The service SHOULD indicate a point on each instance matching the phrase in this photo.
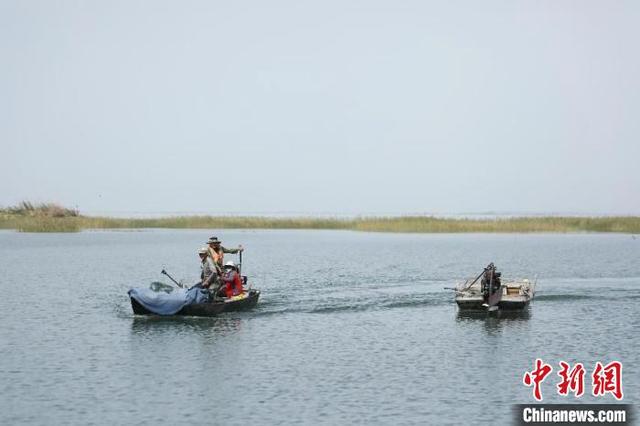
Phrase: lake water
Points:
(351, 328)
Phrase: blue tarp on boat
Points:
(168, 303)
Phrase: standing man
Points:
(216, 252)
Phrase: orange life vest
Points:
(217, 257)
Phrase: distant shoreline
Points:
(404, 224)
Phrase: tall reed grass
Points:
(627, 224)
(27, 208)
(379, 224)
(44, 217)
(53, 218)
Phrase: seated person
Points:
(231, 281)
(208, 274)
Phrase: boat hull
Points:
(209, 309)
(478, 304)
(513, 296)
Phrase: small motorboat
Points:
(164, 299)
(244, 301)
(492, 293)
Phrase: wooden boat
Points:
(244, 301)
(493, 293)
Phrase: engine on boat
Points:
(490, 281)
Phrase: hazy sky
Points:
(321, 106)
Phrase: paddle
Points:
(171, 278)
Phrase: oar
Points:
(240, 265)
(171, 278)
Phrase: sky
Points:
(321, 107)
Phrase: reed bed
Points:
(225, 222)
(49, 217)
(626, 224)
(29, 209)
(414, 224)
(43, 217)
(47, 224)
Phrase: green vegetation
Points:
(27, 217)
(428, 224)
(44, 217)
(27, 208)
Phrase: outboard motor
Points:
(491, 285)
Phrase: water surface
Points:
(351, 328)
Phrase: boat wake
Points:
(594, 296)
(271, 305)
(561, 297)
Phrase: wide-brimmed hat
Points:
(203, 250)
(230, 264)
(213, 240)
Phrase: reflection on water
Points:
(494, 323)
(491, 317)
(169, 325)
